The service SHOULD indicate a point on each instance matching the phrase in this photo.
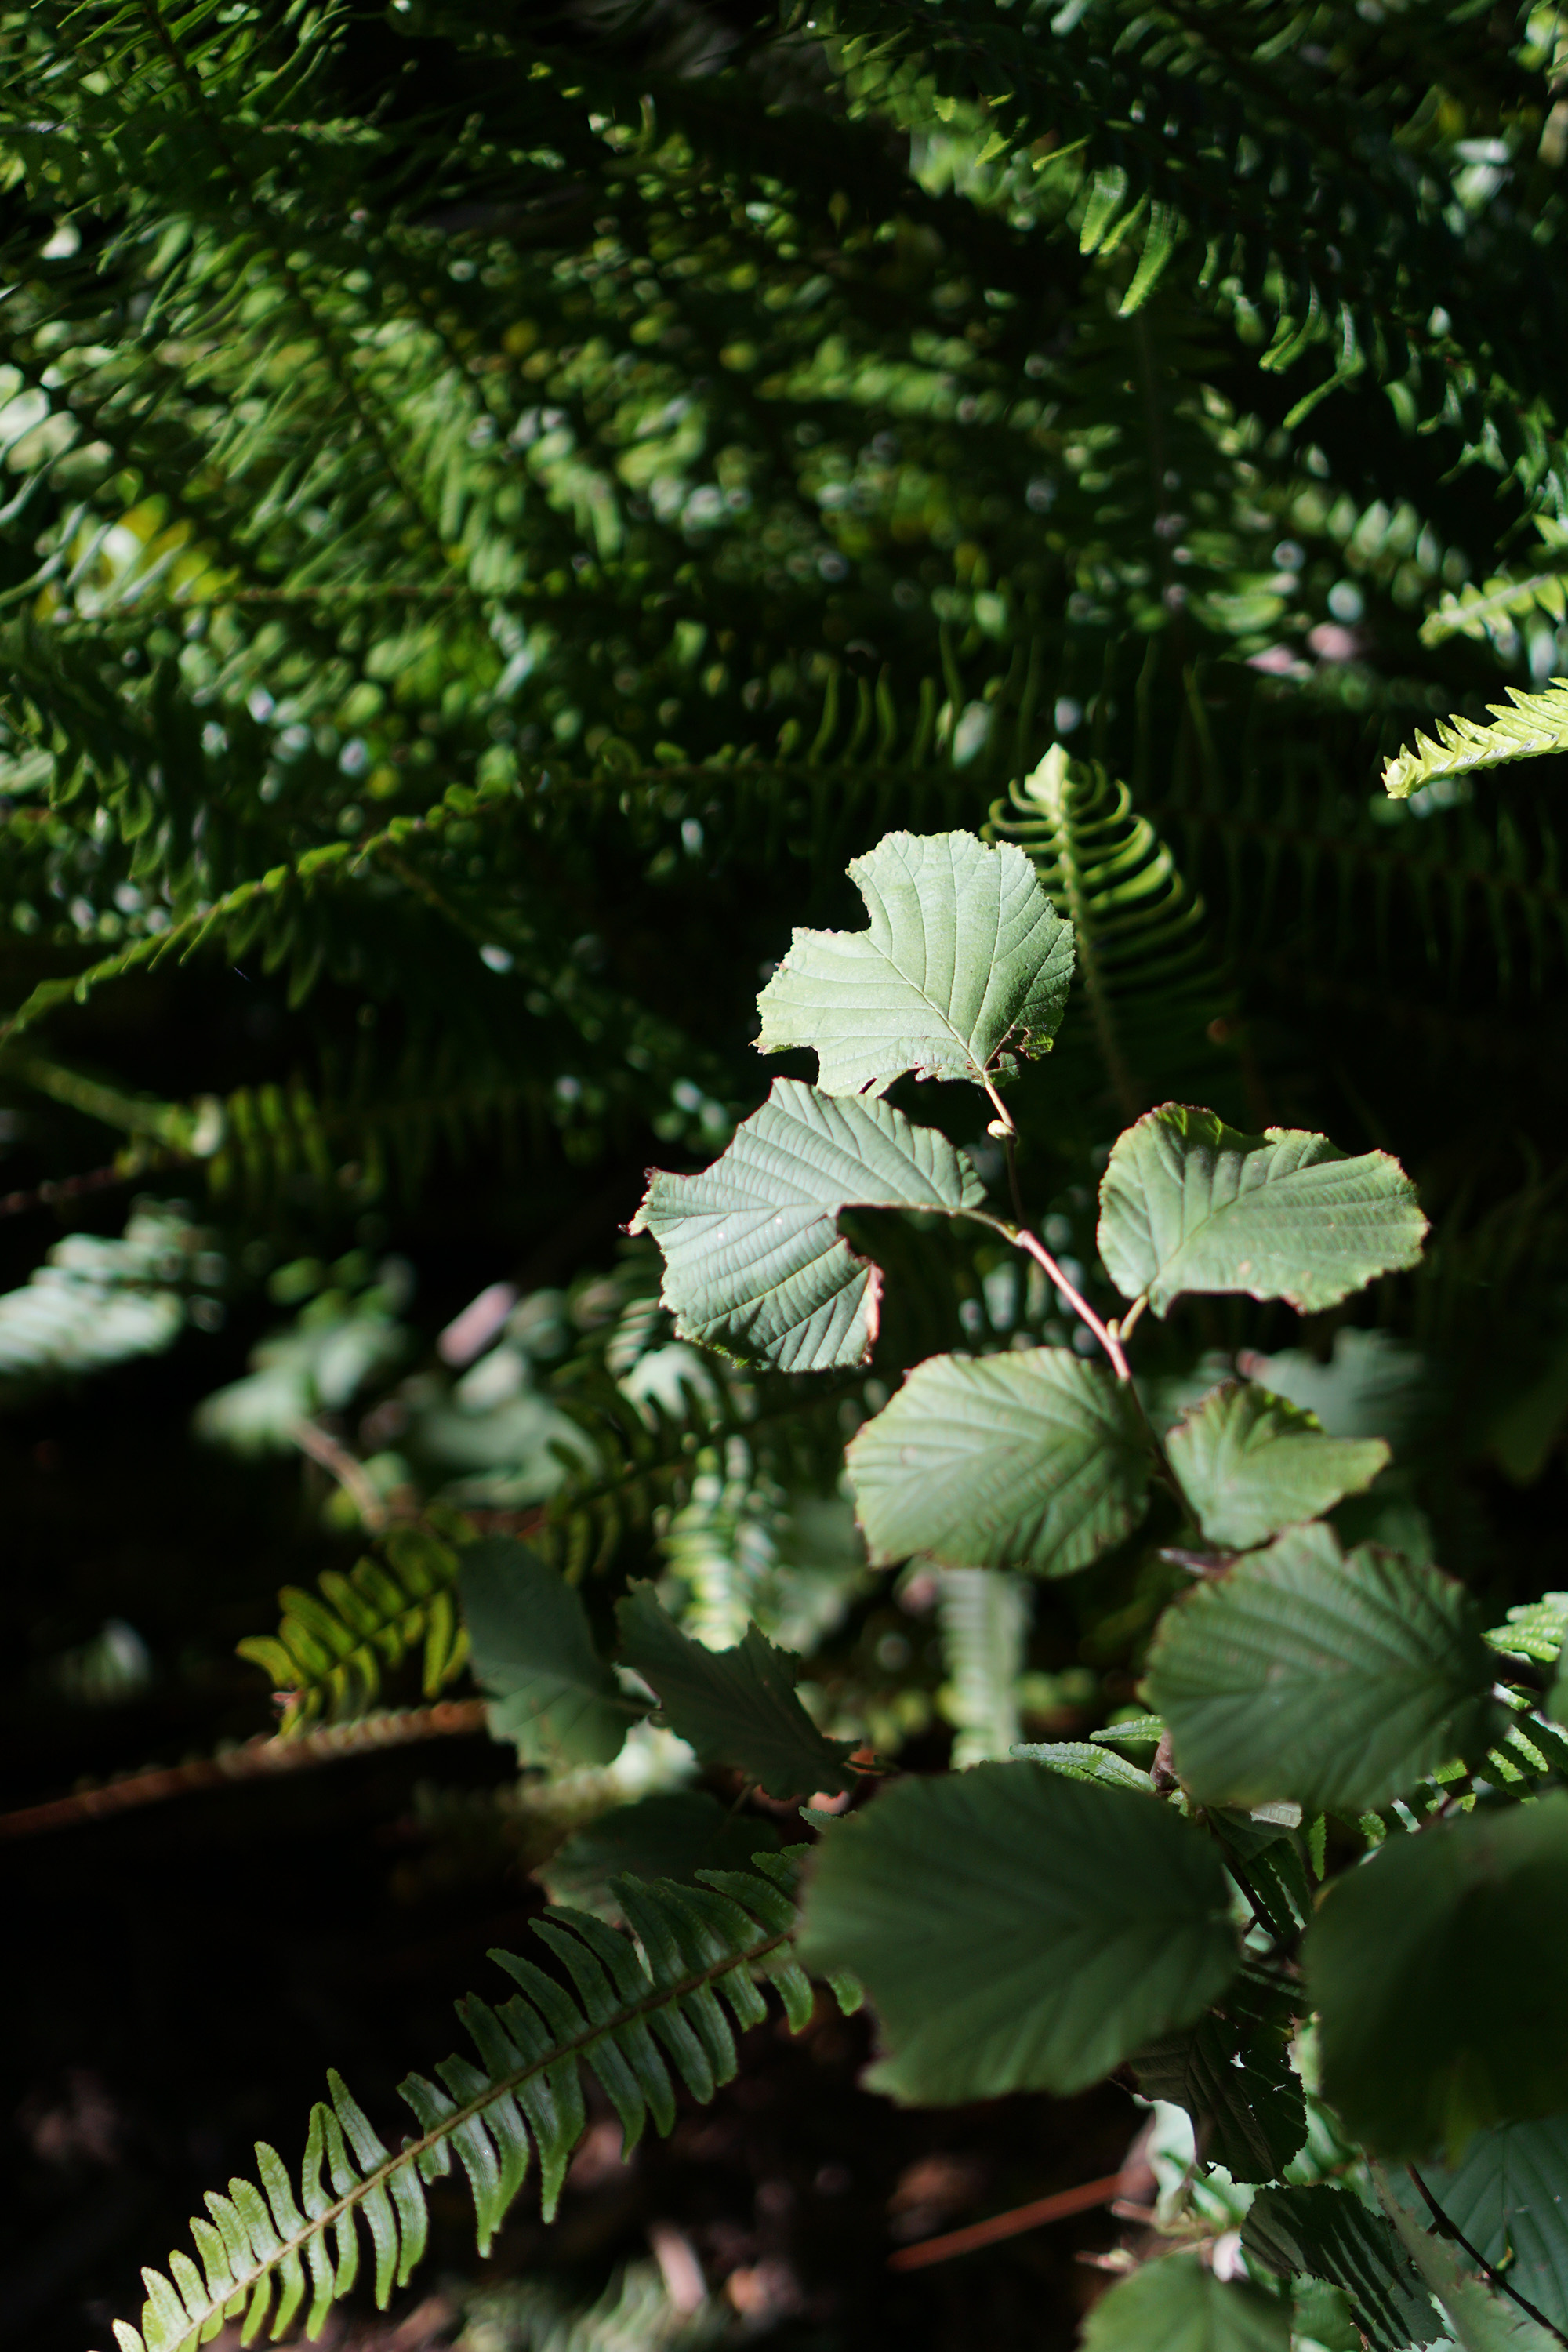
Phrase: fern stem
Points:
(258, 1759)
(341, 1464)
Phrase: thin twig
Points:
(1067, 2202)
(449, 1720)
(48, 1196)
(341, 1464)
(1446, 2228)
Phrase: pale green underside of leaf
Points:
(1018, 1930)
(1436, 1969)
(1249, 1464)
(966, 963)
(733, 1706)
(1509, 2200)
(753, 1261)
(1033, 1459)
(1175, 2304)
(1479, 2318)
(533, 1653)
(1328, 1680)
(1190, 1204)
(1526, 727)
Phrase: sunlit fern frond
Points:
(99, 1300)
(1150, 985)
(333, 1645)
(693, 1953)
(1534, 726)
(1489, 608)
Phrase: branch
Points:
(341, 1464)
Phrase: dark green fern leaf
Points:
(1149, 982)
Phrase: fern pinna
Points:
(688, 1982)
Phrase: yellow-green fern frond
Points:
(1535, 724)
(259, 2251)
(329, 1653)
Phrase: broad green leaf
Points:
(753, 1260)
(1188, 1204)
(966, 963)
(673, 1835)
(533, 1653)
(1250, 1464)
(1479, 2318)
(1033, 1459)
(1175, 2304)
(1526, 727)
(1233, 2075)
(1436, 1969)
(1333, 1681)
(1507, 2198)
(733, 1706)
(1328, 2233)
(1016, 1930)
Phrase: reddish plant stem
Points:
(1067, 2202)
(1077, 1301)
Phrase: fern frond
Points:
(1491, 608)
(984, 1614)
(1141, 947)
(1536, 725)
(333, 1645)
(650, 1453)
(101, 1301)
(694, 1952)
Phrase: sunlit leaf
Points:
(965, 965)
(1176, 2305)
(1188, 1204)
(534, 1652)
(753, 1260)
(1249, 1464)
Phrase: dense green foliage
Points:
(1025, 548)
